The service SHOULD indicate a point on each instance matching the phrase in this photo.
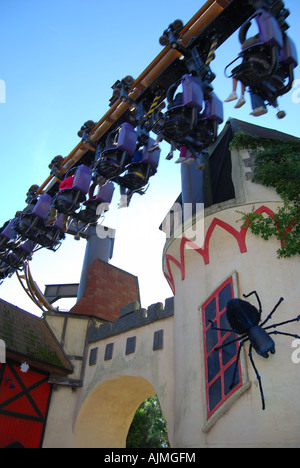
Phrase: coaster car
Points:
(288, 61)
(32, 219)
(118, 152)
(102, 198)
(15, 258)
(52, 236)
(192, 118)
(8, 236)
(183, 108)
(143, 166)
(206, 129)
(31, 225)
(68, 200)
(259, 53)
(268, 59)
(282, 80)
(5, 271)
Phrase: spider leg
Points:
(220, 329)
(258, 377)
(258, 300)
(282, 333)
(272, 312)
(240, 338)
(297, 319)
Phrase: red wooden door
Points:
(24, 402)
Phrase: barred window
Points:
(219, 365)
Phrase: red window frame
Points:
(219, 364)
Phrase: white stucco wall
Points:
(256, 266)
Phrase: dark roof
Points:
(220, 156)
(257, 131)
(29, 336)
(220, 169)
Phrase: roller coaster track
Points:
(211, 26)
(206, 25)
(32, 290)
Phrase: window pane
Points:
(213, 365)
(228, 351)
(210, 311)
(224, 296)
(211, 339)
(228, 376)
(215, 394)
(224, 323)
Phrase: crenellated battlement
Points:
(132, 316)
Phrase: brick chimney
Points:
(109, 289)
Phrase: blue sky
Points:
(58, 61)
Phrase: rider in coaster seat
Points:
(72, 192)
(192, 118)
(97, 204)
(119, 149)
(259, 53)
(279, 84)
(260, 60)
(7, 235)
(15, 258)
(5, 271)
(31, 224)
(67, 183)
(183, 108)
(33, 217)
(52, 236)
(144, 165)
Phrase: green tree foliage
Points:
(277, 164)
(148, 428)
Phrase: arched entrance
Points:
(106, 415)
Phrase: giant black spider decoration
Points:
(244, 319)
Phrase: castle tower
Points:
(215, 259)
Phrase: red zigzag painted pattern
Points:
(240, 237)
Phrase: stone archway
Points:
(107, 413)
